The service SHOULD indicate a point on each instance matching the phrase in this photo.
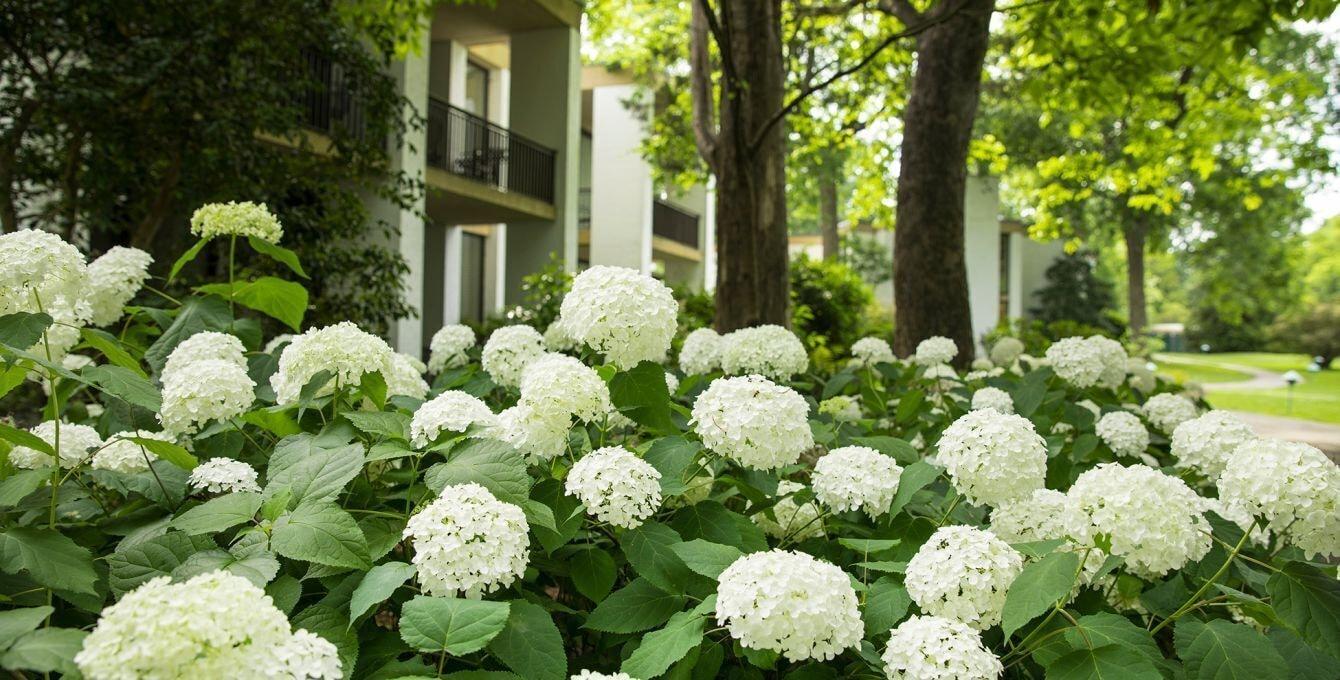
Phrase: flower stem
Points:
(1193, 601)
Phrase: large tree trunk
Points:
(749, 163)
(930, 275)
(1135, 232)
(828, 216)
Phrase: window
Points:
(476, 90)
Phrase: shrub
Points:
(832, 307)
(1314, 331)
(1074, 293)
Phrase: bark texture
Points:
(828, 217)
(930, 275)
(1136, 233)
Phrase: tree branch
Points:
(700, 83)
(829, 10)
(902, 9)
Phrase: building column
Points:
(411, 75)
(1016, 276)
(709, 242)
(621, 183)
(545, 103)
(981, 251)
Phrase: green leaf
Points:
(16, 622)
(662, 648)
(1309, 600)
(1028, 394)
(1038, 588)
(915, 477)
(869, 546)
(317, 477)
(381, 423)
(22, 330)
(530, 644)
(378, 585)
(1221, 650)
(21, 484)
(197, 314)
(493, 464)
(453, 625)
(285, 591)
(1305, 662)
(19, 437)
(49, 557)
(1105, 628)
(671, 457)
(125, 384)
(648, 549)
(330, 623)
(323, 533)
(373, 386)
(278, 253)
(893, 447)
(1112, 662)
(168, 451)
(186, 258)
(274, 297)
(158, 556)
(705, 557)
(48, 650)
(635, 607)
(641, 394)
(259, 567)
(111, 348)
(217, 514)
(885, 605)
(593, 573)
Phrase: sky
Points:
(1325, 201)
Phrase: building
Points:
(1005, 266)
(626, 219)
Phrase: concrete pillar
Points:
(710, 235)
(545, 106)
(981, 250)
(621, 182)
(411, 75)
(1016, 276)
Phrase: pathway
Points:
(1260, 379)
(1321, 435)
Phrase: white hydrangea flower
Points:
(39, 272)
(1240, 516)
(994, 398)
(625, 315)
(1293, 486)
(770, 351)
(935, 648)
(1114, 360)
(592, 675)
(963, 573)
(236, 218)
(224, 475)
(843, 408)
(944, 373)
(557, 386)
(754, 421)
(671, 382)
(856, 478)
(1006, 351)
(616, 486)
(204, 390)
(993, 457)
(1123, 432)
(1049, 515)
(972, 376)
(558, 339)
(1205, 443)
(120, 454)
(203, 346)
(75, 443)
(1154, 520)
(1166, 411)
(870, 350)
(113, 280)
(1141, 377)
(451, 411)
(790, 603)
(467, 542)
(935, 350)
(215, 625)
(405, 377)
(343, 349)
(276, 341)
(701, 352)
(1078, 361)
(450, 347)
(508, 351)
(539, 437)
(789, 519)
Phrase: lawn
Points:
(1317, 397)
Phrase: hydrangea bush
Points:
(199, 500)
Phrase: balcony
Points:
(330, 107)
(674, 224)
(467, 146)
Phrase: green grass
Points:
(1317, 397)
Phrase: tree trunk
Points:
(828, 216)
(1135, 232)
(752, 283)
(930, 275)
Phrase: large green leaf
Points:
(593, 573)
(330, 622)
(19, 485)
(635, 607)
(641, 394)
(377, 585)
(885, 605)
(279, 254)
(1308, 600)
(493, 464)
(17, 622)
(662, 648)
(49, 558)
(1038, 588)
(48, 650)
(705, 557)
(22, 330)
(530, 643)
(274, 297)
(319, 476)
(1305, 662)
(168, 451)
(394, 425)
(1110, 662)
(125, 384)
(158, 556)
(914, 478)
(186, 258)
(207, 313)
(257, 566)
(671, 457)
(19, 437)
(111, 348)
(1221, 650)
(323, 533)
(217, 514)
(649, 549)
(453, 625)
(1105, 628)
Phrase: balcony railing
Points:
(466, 145)
(331, 106)
(668, 221)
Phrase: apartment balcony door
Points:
(472, 277)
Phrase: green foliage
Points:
(1075, 294)
(1315, 331)
(541, 295)
(867, 257)
(831, 306)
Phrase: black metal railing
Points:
(668, 221)
(584, 208)
(466, 145)
(331, 106)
